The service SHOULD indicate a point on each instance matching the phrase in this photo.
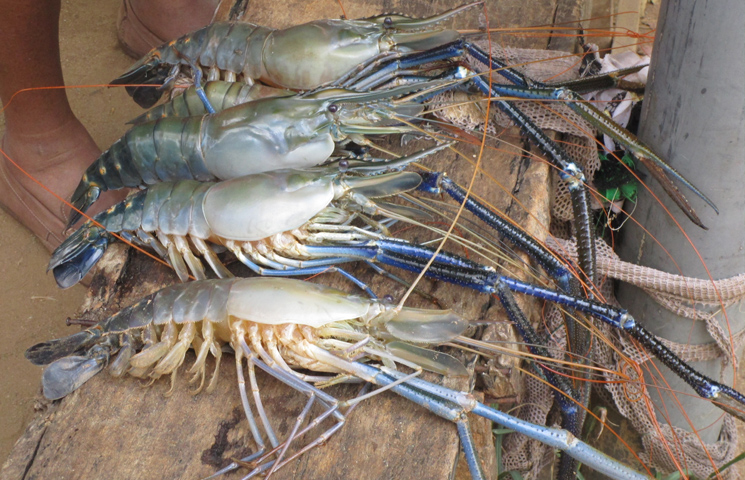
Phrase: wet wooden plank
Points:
(115, 428)
(118, 429)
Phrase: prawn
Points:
(278, 326)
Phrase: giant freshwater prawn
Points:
(622, 375)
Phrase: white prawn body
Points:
(283, 321)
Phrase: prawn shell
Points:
(305, 56)
(275, 301)
(258, 206)
(266, 135)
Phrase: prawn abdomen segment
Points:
(164, 150)
(176, 209)
(233, 47)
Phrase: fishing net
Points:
(686, 297)
(578, 137)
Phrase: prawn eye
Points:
(333, 108)
(388, 299)
(388, 21)
(343, 165)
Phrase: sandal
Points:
(142, 26)
(23, 206)
(135, 38)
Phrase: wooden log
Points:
(115, 428)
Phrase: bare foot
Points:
(55, 159)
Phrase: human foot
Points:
(56, 160)
(144, 25)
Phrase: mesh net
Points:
(681, 295)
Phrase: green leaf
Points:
(498, 449)
(628, 190)
(612, 194)
(628, 160)
(729, 464)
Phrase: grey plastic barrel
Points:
(694, 117)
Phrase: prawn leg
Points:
(568, 170)
(201, 94)
(471, 275)
(528, 88)
(453, 405)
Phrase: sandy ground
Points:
(33, 308)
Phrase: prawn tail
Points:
(143, 79)
(115, 169)
(45, 353)
(68, 374)
(84, 196)
(72, 260)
